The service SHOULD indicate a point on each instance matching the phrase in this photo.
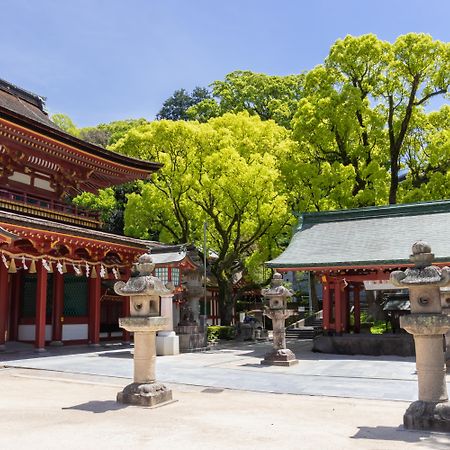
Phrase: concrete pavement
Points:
(226, 399)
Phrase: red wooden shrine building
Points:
(347, 249)
(57, 267)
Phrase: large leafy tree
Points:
(225, 172)
(268, 96)
(177, 105)
(359, 112)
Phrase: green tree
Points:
(177, 105)
(65, 123)
(356, 117)
(268, 96)
(225, 172)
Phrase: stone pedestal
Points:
(428, 325)
(192, 338)
(276, 310)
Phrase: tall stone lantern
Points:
(428, 325)
(277, 296)
(145, 292)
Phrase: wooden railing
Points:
(22, 202)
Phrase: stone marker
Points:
(145, 292)
(278, 312)
(428, 325)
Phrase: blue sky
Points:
(104, 60)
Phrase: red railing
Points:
(45, 207)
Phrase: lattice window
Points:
(75, 296)
(162, 273)
(28, 300)
(176, 276)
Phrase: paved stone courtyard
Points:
(225, 399)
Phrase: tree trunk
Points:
(225, 300)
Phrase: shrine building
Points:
(57, 267)
(350, 249)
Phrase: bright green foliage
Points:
(356, 117)
(225, 172)
(268, 96)
(428, 158)
(66, 124)
(105, 201)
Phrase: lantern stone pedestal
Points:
(428, 325)
(278, 312)
(145, 292)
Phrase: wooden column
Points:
(58, 307)
(41, 304)
(338, 307)
(94, 310)
(357, 309)
(4, 300)
(326, 306)
(126, 309)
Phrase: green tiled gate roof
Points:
(367, 236)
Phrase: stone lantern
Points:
(145, 292)
(277, 296)
(428, 325)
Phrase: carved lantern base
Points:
(145, 394)
(430, 416)
(280, 357)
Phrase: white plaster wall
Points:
(28, 332)
(74, 332)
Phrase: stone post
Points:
(278, 312)
(428, 325)
(145, 292)
(167, 342)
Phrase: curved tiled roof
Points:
(367, 236)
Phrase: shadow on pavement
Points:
(98, 406)
(436, 440)
(125, 354)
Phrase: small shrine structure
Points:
(56, 264)
(349, 249)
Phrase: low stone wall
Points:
(366, 344)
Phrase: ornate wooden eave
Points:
(86, 167)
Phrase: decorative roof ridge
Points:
(23, 94)
(372, 212)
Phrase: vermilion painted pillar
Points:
(338, 307)
(58, 307)
(4, 300)
(326, 306)
(126, 309)
(41, 304)
(94, 310)
(357, 310)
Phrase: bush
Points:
(216, 332)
